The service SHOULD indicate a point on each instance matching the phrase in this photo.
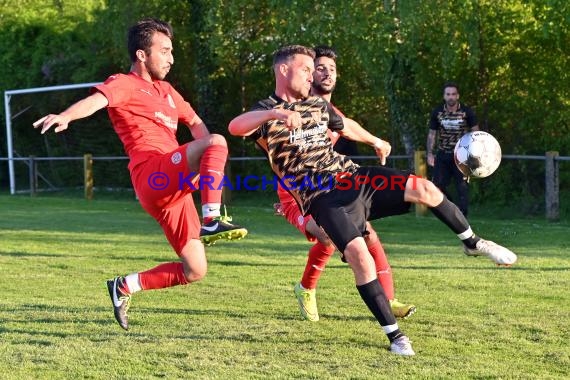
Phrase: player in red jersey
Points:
(324, 83)
(145, 111)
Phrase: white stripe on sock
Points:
(465, 235)
(390, 328)
(133, 282)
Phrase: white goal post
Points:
(7, 96)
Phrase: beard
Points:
(155, 73)
(451, 103)
(321, 89)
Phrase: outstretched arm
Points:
(248, 122)
(353, 131)
(83, 108)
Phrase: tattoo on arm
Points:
(430, 141)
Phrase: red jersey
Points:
(145, 115)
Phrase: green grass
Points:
(474, 320)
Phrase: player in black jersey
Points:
(449, 121)
(291, 128)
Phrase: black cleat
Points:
(221, 228)
(121, 301)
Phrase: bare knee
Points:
(195, 149)
(195, 274)
(194, 262)
(420, 190)
(313, 229)
(360, 261)
(215, 139)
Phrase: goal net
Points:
(58, 158)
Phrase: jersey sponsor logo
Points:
(166, 120)
(145, 91)
(176, 158)
(170, 101)
(452, 123)
(305, 135)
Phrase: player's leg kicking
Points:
(173, 207)
(319, 255)
(419, 190)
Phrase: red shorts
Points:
(161, 184)
(293, 214)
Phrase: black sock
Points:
(471, 242)
(374, 297)
(394, 335)
(450, 214)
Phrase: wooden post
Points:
(420, 168)
(33, 174)
(552, 186)
(88, 175)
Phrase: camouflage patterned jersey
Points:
(304, 157)
(451, 125)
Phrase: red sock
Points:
(382, 267)
(212, 172)
(319, 255)
(163, 276)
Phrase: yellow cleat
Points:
(307, 303)
(402, 310)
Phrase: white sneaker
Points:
(499, 254)
(402, 346)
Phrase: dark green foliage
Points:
(510, 59)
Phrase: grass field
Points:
(474, 320)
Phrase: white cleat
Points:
(497, 253)
(402, 346)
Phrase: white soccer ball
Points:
(477, 154)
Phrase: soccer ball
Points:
(477, 154)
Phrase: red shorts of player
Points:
(293, 215)
(161, 184)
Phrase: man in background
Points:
(448, 122)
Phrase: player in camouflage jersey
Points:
(324, 83)
(450, 121)
(291, 128)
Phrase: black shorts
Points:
(370, 193)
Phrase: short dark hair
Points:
(140, 35)
(285, 53)
(450, 84)
(325, 51)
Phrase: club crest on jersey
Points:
(170, 101)
(176, 158)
